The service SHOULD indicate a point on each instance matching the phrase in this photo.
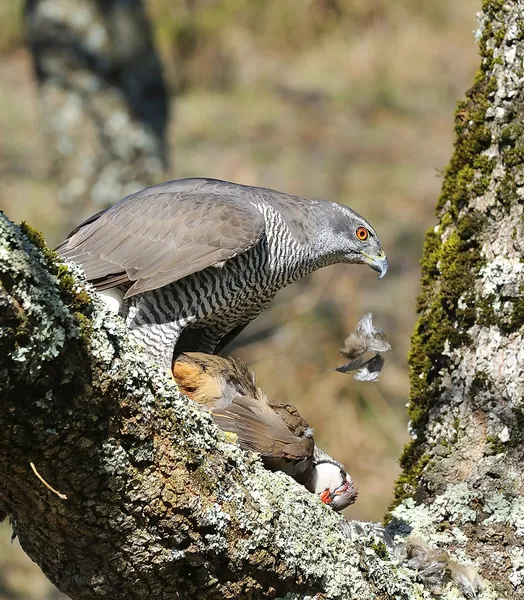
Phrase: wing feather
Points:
(261, 430)
(164, 233)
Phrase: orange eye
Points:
(362, 234)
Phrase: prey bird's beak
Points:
(378, 263)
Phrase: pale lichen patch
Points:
(29, 289)
(517, 567)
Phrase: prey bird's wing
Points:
(164, 233)
(262, 430)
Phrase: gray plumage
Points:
(195, 260)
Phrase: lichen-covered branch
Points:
(103, 99)
(119, 487)
(464, 471)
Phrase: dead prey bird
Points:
(277, 432)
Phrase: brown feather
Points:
(195, 384)
(227, 388)
(211, 380)
(261, 430)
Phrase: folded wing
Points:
(164, 233)
(262, 430)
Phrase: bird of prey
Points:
(277, 432)
(189, 263)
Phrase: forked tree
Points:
(119, 487)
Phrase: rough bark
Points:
(103, 99)
(119, 487)
(464, 471)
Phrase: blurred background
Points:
(347, 100)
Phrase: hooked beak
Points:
(378, 263)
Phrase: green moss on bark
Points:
(413, 464)
(517, 315)
(452, 256)
(76, 298)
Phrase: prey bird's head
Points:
(355, 240)
(333, 485)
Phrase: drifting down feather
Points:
(367, 338)
(434, 566)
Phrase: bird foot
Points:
(231, 437)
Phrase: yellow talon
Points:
(232, 438)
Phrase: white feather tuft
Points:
(366, 339)
(113, 299)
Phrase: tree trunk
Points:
(103, 99)
(467, 353)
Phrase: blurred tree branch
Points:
(104, 103)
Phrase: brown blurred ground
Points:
(349, 100)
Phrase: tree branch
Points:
(134, 492)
